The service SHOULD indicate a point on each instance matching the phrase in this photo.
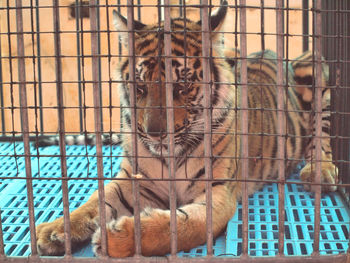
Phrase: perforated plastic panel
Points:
(263, 206)
(47, 193)
(299, 223)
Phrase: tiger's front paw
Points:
(120, 238)
(50, 238)
(329, 175)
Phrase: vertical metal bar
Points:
(99, 58)
(343, 59)
(2, 246)
(170, 126)
(139, 10)
(78, 9)
(135, 183)
(317, 27)
(207, 122)
(281, 123)
(97, 115)
(61, 127)
(10, 59)
(3, 125)
(9, 43)
(35, 90)
(119, 42)
(244, 125)
(24, 123)
(38, 57)
(305, 15)
(110, 90)
(262, 22)
(346, 78)
(84, 90)
(180, 8)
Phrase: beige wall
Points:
(69, 60)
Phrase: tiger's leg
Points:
(84, 220)
(303, 76)
(155, 226)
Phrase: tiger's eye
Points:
(181, 89)
(141, 90)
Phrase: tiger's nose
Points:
(156, 131)
(156, 126)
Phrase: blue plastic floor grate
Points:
(299, 223)
(263, 206)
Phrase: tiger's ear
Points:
(121, 25)
(217, 17)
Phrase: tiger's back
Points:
(263, 119)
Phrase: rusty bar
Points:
(135, 183)
(25, 124)
(110, 90)
(281, 123)
(305, 8)
(340, 258)
(98, 29)
(170, 126)
(38, 57)
(244, 125)
(77, 27)
(2, 246)
(35, 83)
(3, 125)
(98, 120)
(207, 122)
(262, 26)
(61, 126)
(317, 47)
(11, 81)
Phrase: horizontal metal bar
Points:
(177, 180)
(177, 5)
(342, 258)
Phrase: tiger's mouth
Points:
(159, 148)
(159, 145)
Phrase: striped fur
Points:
(152, 145)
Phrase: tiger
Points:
(152, 148)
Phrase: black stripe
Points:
(145, 43)
(183, 212)
(217, 183)
(124, 66)
(153, 197)
(123, 200)
(291, 128)
(326, 129)
(126, 172)
(303, 80)
(199, 174)
(114, 211)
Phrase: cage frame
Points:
(315, 257)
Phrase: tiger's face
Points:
(187, 94)
(187, 83)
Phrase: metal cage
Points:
(56, 78)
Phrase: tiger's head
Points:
(187, 78)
